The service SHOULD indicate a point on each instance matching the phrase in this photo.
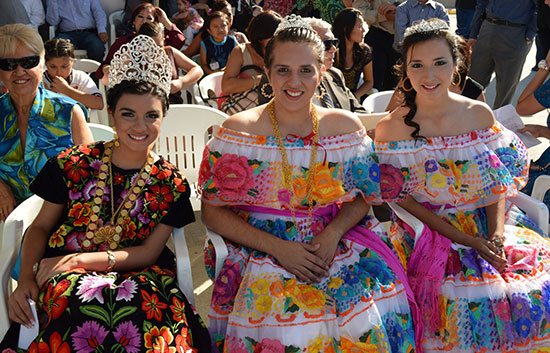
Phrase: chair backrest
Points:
(370, 120)
(101, 132)
(109, 6)
(377, 102)
(86, 65)
(182, 136)
(14, 228)
(211, 82)
(114, 17)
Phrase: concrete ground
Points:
(195, 232)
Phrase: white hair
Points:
(318, 23)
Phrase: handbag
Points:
(237, 102)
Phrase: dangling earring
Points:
(263, 90)
(457, 84)
(323, 92)
(403, 84)
(116, 142)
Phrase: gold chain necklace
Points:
(287, 170)
(110, 232)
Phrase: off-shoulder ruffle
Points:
(468, 171)
(244, 169)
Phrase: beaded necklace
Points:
(287, 170)
(110, 232)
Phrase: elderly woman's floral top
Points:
(257, 305)
(138, 311)
(457, 177)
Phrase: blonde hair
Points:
(14, 34)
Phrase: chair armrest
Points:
(184, 275)
(542, 184)
(409, 219)
(535, 210)
(8, 257)
(219, 247)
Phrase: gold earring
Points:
(403, 84)
(264, 93)
(115, 140)
(323, 92)
(457, 84)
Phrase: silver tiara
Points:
(293, 21)
(421, 26)
(143, 60)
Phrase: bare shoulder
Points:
(245, 121)
(478, 115)
(392, 127)
(337, 122)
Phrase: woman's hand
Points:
(536, 130)
(175, 86)
(7, 201)
(328, 244)
(163, 18)
(18, 307)
(50, 267)
(299, 259)
(491, 253)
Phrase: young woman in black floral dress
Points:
(103, 279)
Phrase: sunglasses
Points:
(331, 42)
(28, 62)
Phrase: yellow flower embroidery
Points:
(335, 282)
(263, 304)
(438, 181)
(260, 286)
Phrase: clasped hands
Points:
(308, 262)
(493, 251)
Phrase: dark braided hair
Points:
(417, 35)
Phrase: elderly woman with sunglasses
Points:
(35, 124)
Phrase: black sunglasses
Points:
(330, 42)
(28, 62)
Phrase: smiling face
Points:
(145, 15)
(60, 66)
(137, 119)
(430, 67)
(22, 82)
(294, 74)
(218, 29)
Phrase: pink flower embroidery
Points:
(391, 181)
(521, 257)
(92, 286)
(232, 175)
(269, 346)
(126, 290)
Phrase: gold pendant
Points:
(103, 234)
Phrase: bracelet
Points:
(254, 80)
(112, 261)
(35, 267)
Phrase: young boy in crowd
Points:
(412, 11)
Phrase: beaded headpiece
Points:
(143, 60)
(426, 26)
(293, 21)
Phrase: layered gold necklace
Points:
(287, 169)
(110, 232)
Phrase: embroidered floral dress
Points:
(478, 309)
(139, 311)
(257, 305)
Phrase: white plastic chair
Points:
(114, 17)
(14, 228)
(370, 120)
(101, 132)
(377, 102)
(182, 139)
(541, 185)
(20, 219)
(94, 115)
(211, 82)
(86, 65)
